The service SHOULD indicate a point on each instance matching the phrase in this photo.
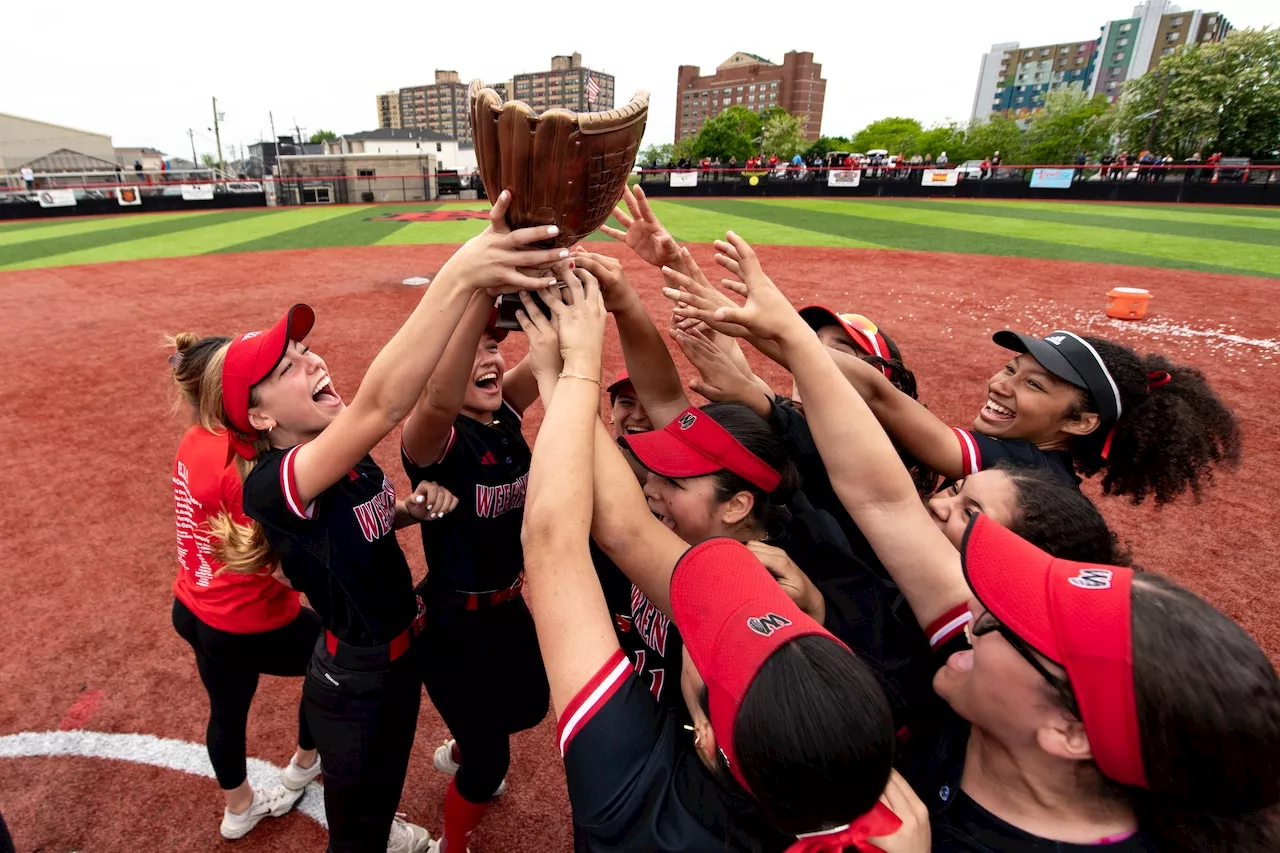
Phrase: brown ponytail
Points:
(197, 372)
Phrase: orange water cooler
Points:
(1127, 303)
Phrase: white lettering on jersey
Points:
(377, 516)
(192, 540)
(493, 501)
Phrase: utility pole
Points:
(217, 137)
(1155, 115)
(191, 134)
(298, 131)
(275, 144)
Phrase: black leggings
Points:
(483, 671)
(229, 666)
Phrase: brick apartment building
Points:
(744, 79)
(442, 106)
(568, 85)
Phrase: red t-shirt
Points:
(205, 481)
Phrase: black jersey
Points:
(933, 763)
(635, 783)
(341, 550)
(816, 483)
(981, 452)
(476, 548)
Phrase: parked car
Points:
(970, 169)
(1234, 169)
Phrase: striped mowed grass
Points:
(1233, 240)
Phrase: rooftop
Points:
(407, 133)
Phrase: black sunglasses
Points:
(986, 623)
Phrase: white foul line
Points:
(177, 755)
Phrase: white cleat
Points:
(407, 837)
(296, 778)
(443, 761)
(273, 802)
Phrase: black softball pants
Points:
(483, 671)
(229, 666)
(364, 716)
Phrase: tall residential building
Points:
(1130, 47)
(389, 109)
(1012, 79)
(568, 85)
(442, 106)
(744, 79)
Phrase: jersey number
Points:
(655, 687)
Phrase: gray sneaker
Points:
(407, 837)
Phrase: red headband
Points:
(1077, 615)
(732, 616)
(694, 445)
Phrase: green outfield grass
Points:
(1243, 241)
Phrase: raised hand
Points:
(720, 380)
(767, 314)
(792, 579)
(544, 342)
(642, 231)
(500, 260)
(615, 287)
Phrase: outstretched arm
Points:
(918, 430)
(568, 607)
(428, 426)
(872, 483)
(649, 363)
(493, 259)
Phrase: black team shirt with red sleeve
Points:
(980, 452)
(635, 783)
(933, 763)
(340, 550)
(476, 548)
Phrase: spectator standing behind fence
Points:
(928, 161)
(1192, 171)
(28, 176)
(942, 160)
(1212, 163)
(1104, 162)
(983, 168)
(1081, 161)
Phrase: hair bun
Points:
(184, 341)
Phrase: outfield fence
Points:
(67, 193)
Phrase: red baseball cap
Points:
(694, 445)
(732, 616)
(1078, 616)
(619, 381)
(251, 358)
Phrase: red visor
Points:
(694, 445)
(251, 358)
(1078, 616)
(620, 381)
(732, 616)
(864, 333)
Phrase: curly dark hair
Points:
(1059, 520)
(1169, 437)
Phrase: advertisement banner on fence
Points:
(128, 196)
(1052, 179)
(844, 177)
(684, 179)
(939, 177)
(197, 192)
(57, 198)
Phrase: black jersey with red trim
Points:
(341, 550)
(635, 783)
(817, 483)
(932, 761)
(476, 548)
(980, 452)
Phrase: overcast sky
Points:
(145, 75)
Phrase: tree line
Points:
(1221, 96)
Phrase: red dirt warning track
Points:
(86, 527)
